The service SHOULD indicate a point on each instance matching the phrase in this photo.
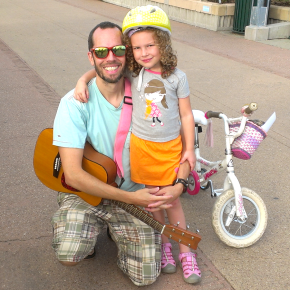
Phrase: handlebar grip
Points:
(251, 108)
(211, 114)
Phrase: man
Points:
(77, 224)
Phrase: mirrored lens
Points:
(119, 50)
(101, 52)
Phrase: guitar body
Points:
(95, 163)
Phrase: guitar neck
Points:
(141, 215)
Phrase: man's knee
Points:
(143, 282)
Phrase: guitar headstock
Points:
(182, 236)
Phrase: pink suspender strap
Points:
(123, 128)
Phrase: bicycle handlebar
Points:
(211, 114)
(249, 109)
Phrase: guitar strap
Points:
(123, 129)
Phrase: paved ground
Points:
(42, 54)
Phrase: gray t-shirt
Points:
(155, 107)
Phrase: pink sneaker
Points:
(191, 272)
(168, 264)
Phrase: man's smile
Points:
(110, 68)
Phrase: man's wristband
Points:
(183, 182)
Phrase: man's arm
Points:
(76, 177)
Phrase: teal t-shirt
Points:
(96, 122)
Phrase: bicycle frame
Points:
(227, 163)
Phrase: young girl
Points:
(161, 109)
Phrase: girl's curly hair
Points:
(168, 58)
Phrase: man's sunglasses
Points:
(102, 52)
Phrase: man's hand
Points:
(170, 192)
(147, 197)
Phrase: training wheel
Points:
(193, 183)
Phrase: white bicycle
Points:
(239, 216)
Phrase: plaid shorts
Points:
(76, 225)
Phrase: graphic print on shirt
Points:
(155, 93)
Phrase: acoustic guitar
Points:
(47, 167)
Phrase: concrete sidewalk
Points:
(42, 53)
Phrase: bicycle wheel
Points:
(193, 183)
(239, 234)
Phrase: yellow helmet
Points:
(146, 16)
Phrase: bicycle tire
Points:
(193, 183)
(257, 219)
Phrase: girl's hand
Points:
(81, 92)
(190, 157)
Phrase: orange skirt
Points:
(154, 163)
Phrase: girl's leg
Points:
(191, 272)
(160, 216)
(176, 216)
(168, 264)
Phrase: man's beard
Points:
(109, 80)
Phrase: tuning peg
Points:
(187, 226)
(197, 230)
(177, 224)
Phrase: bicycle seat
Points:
(199, 117)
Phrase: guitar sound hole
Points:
(66, 185)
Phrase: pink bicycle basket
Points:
(246, 144)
